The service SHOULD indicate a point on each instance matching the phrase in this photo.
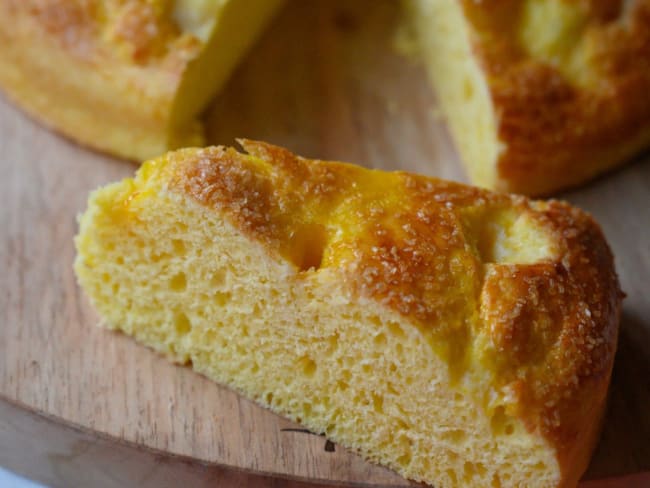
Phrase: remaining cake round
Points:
(458, 336)
(128, 77)
(539, 95)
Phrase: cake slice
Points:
(128, 77)
(539, 95)
(458, 336)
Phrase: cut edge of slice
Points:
(180, 278)
(460, 84)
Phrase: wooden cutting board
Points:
(81, 406)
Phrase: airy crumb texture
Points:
(539, 94)
(124, 76)
(460, 337)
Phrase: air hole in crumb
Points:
(404, 460)
(452, 477)
(325, 401)
(182, 324)
(468, 471)
(401, 424)
(395, 330)
(221, 298)
(217, 279)
(500, 422)
(178, 246)
(375, 320)
(308, 366)
(306, 408)
(496, 481)
(333, 343)
(306, 246)
(380, 339)
(345, 374)
(455, 436)
(378, 403)
(157, 257)
(178, 282)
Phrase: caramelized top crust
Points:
(134, 32)
(124, 76)
(106, 73)
(570, 82)
(522, 291)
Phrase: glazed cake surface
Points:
(128, 77)
(540, 95)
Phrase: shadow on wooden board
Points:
(61, 455)
(625, 442)
(327, 81)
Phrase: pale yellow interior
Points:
(229, 28)
(460, 84)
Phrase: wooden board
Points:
(79, 403)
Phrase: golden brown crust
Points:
(555, 328)
(103, 73)
(127, 32)
(546, 330)
(124, 76)
(560, 128)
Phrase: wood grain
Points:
(326, 82)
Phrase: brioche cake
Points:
(124, 76)
(457, 336)
(539, 95)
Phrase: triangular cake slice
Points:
(458, 336)
(124, 76)
(539, 95)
